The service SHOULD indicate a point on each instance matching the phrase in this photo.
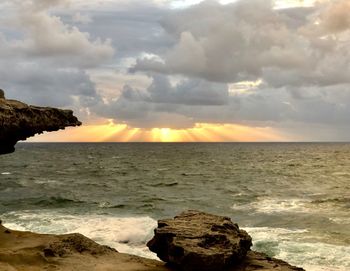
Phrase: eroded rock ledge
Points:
(18, 121)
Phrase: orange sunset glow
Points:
(203, 132)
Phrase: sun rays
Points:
(202, 132)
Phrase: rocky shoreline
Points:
(28, 251)
(192, 241)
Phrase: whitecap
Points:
(45, 181)
(162, 169)
(104, 204)
(6, 173)
(275, 205)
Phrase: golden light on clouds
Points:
(200, 133)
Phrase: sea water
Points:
(292, 198)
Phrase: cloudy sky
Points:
(172, 70)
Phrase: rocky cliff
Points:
(18, 121)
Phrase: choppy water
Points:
(294, 199)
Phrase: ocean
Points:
(292, 198)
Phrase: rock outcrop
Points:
(18, 121)
(27, 251)
(197, 241)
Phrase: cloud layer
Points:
(147, 65)
(248, 40)
(44, 60)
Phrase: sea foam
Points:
(294, 247)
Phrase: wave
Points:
(294, 247)
(192, 174)
(293, 205)
(342, 200)
(274, 205)
(126, 234)
(56, 202)
(165, 184)
(108, 205)
(42, 202)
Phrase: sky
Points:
(172, 70)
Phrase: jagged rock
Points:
(195, 240)
(2, 94)
(18, 121)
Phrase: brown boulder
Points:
(195, 240)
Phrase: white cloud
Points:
(248, 40)
(44, 35)
(43, 60)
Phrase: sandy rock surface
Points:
(26, 251)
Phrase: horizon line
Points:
(174, 142)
